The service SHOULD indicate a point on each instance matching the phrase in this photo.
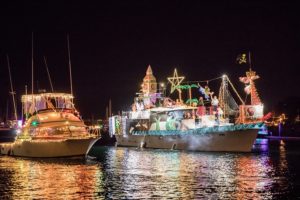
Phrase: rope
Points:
(235, 91)
(204, 81)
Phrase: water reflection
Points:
(188, 175)
(129, 173)
(39, 179)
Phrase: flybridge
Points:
(36, 102)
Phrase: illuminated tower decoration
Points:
(175, 83)
(250, 86)
(149, 85)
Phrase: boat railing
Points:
(143, 114)
(203, 130)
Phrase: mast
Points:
(70, 66)
(32, 73)
(223, 95)
(25, 105)
(49, 77)
(12, 92)
(250, 63)
(32, 66)
(6, 116)
(109, 108)
(106, 113)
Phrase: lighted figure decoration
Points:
(250, 86)
(250, 111)
(118, 126)
(149, 85)
(171, 122)
(205, 91)
(247, 89)
(175, 82)
(157, 123)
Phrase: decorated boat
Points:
(207, 123)
(53, 128)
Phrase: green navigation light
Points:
(34, 123)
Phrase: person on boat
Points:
(159, 102)
(201, 107)
(167, 102)
(215, 105)
(139, 105)
(133, 107)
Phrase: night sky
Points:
(113, 43)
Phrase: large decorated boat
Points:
(207, 123)
(53, 128)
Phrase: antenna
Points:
(70, 66)
(12, 92)
(49, 77)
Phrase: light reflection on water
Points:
(129, 173)
(36, 179)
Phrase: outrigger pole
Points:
(12, 92)
(70, 66)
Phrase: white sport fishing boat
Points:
(157, 121)
(53, 128)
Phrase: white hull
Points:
(231, 141)
(48, 148)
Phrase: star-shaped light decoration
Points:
(175, 81)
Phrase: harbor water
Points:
(271, 171)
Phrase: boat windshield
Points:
(63, 131)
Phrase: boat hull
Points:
(7, 134)
(48, 148)
(231, 141)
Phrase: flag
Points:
(241, 58)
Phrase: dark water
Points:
(270, 172)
